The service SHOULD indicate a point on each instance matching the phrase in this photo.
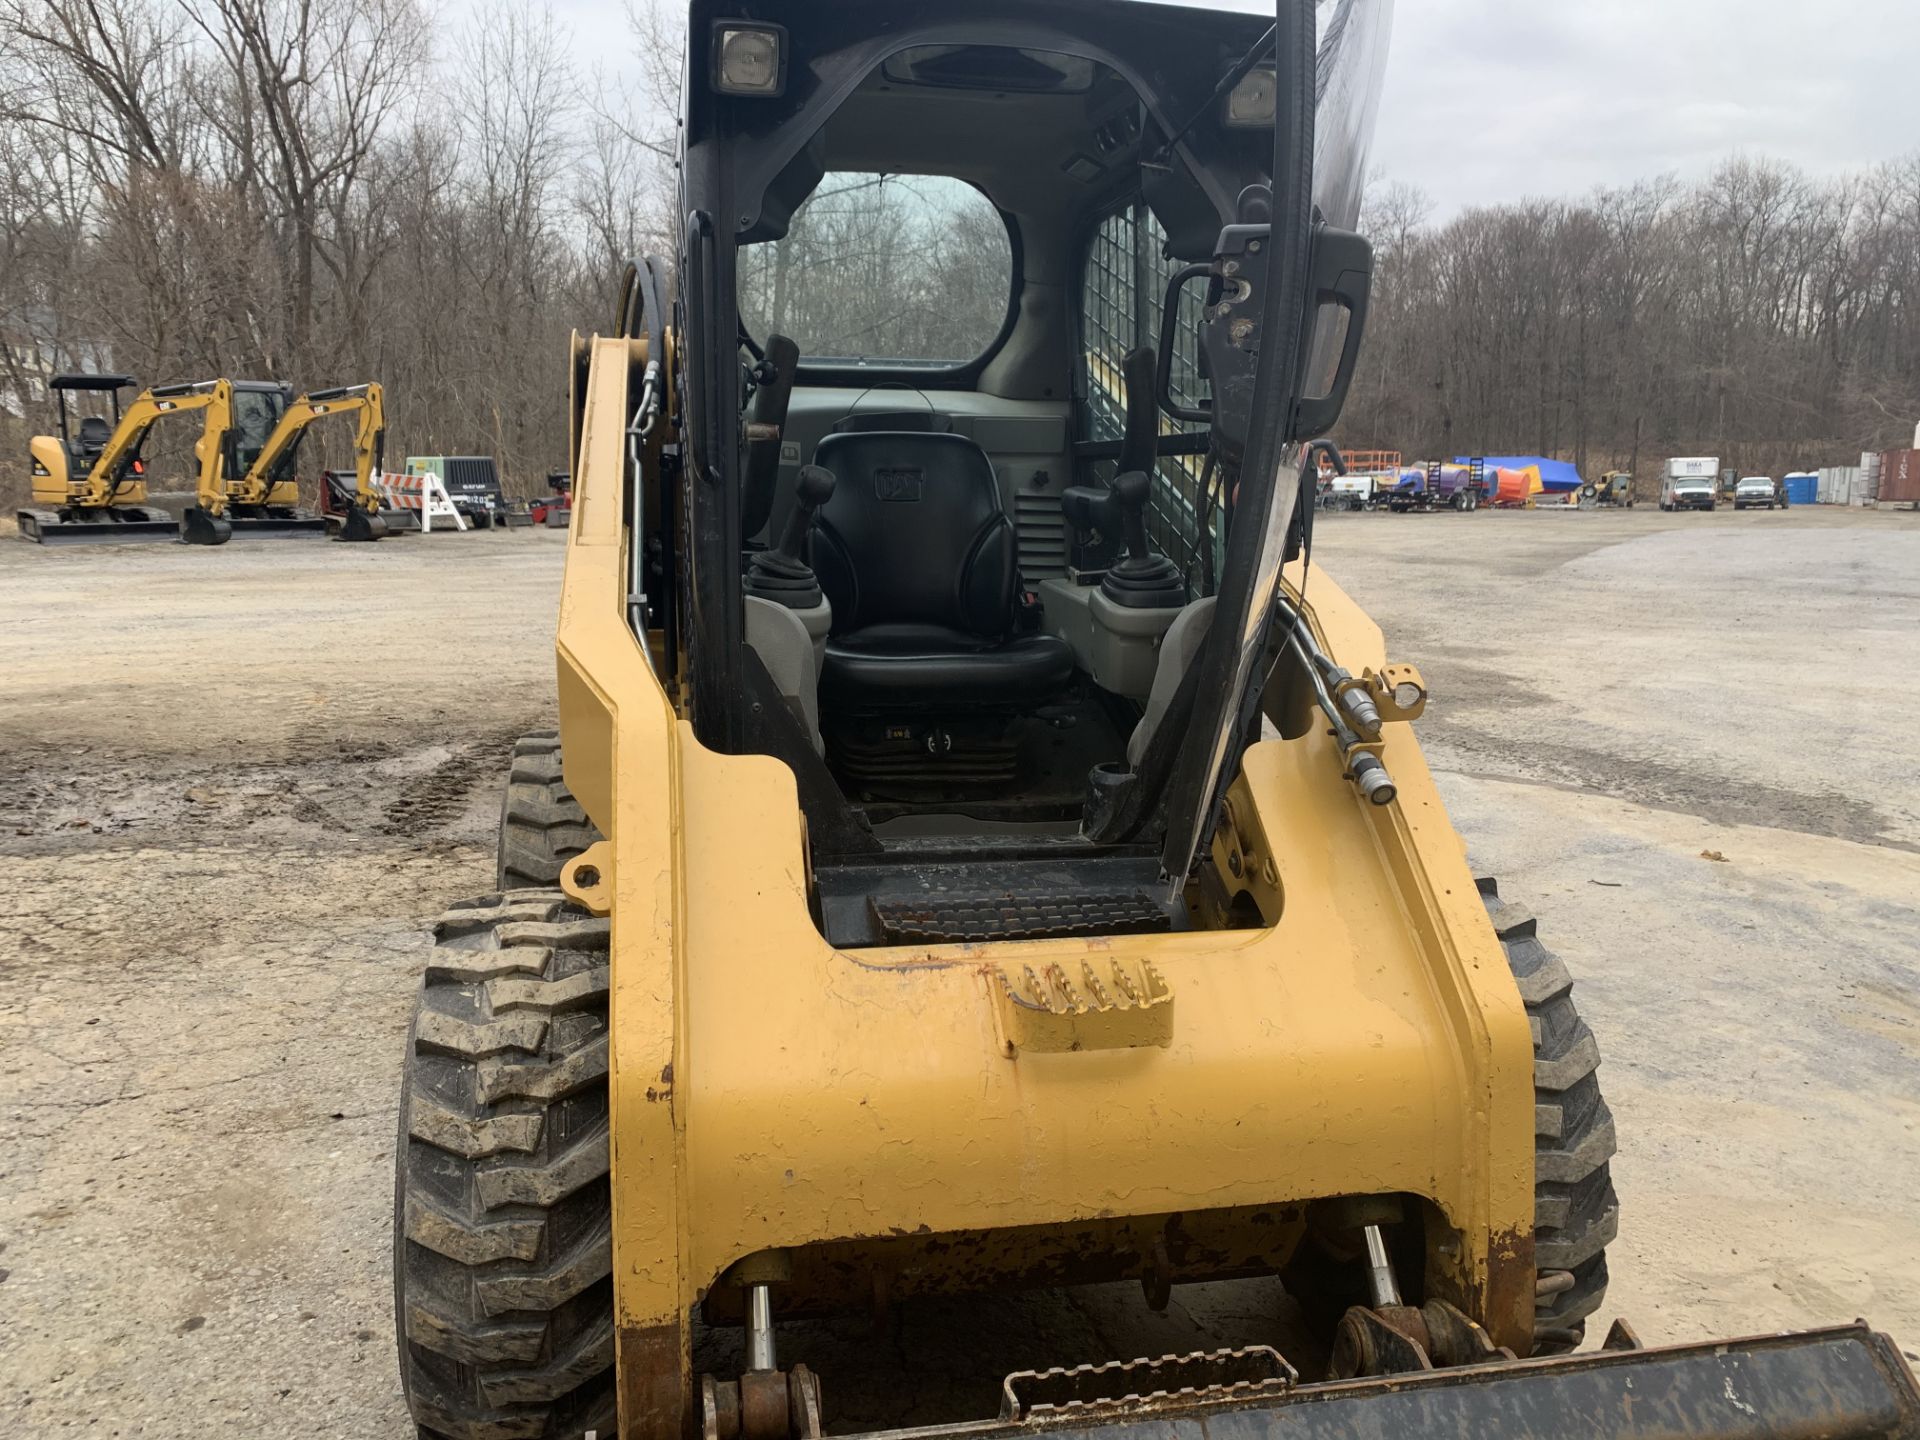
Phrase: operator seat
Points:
(95, 432)
(917, 556)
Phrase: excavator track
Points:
(128, 524)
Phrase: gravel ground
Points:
(236, 781)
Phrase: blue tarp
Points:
(1557, 476)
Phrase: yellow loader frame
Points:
(813, 1106)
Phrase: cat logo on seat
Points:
(897, 485)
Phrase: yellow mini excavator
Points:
(91, 485)
(947, 879)
(246, 481)
(349, 512)
(89, 481)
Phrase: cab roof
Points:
(90, 382)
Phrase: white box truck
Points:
(1690, 483)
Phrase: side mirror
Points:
(1340, 280)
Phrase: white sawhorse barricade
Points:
(424, 494)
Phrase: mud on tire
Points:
(1576, 1213)
(541, 825)
(502, 1232)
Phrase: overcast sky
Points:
(1494, 100)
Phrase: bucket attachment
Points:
(125, 524)
(198, 526)
(1847, 1383)
(358, 524)
(400, 521)
(271, 522)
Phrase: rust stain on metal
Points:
(655, 1398)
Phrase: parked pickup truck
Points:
(1756, 492)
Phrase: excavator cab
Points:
(981, 851)
(84, 440)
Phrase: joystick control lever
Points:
(783, 574)
(1144, 580)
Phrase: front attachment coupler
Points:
(766, 1402)
(1394, 1338)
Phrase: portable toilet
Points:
(1803, 488)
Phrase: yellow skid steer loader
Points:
(985, 854)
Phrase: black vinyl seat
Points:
(918, 558)
(94, 433)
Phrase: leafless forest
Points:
(326, 191)
(1760, 315)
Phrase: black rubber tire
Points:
(1575, 1211)
(541, 825)
(502, 1229)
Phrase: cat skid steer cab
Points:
(980, 852)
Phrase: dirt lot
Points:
(236, 781)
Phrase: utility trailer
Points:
(1440, 486)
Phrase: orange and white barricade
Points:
(424, 494)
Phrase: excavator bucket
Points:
(358, 525)
(200, 527)
(1839, 1384)
(122, 524)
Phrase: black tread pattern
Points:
(1576, 1213)
(541, 825)
(503, 1242)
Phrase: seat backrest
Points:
(95, 432)
(896, 420)
(915, 534)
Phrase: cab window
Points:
(888, 271)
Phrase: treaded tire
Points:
(502, 1230)
(1576, 1213)
(541, 825)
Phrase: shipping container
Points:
(1900, 478)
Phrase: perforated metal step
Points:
(953, 919)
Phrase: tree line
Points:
(1761, 315)
(329, 191)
